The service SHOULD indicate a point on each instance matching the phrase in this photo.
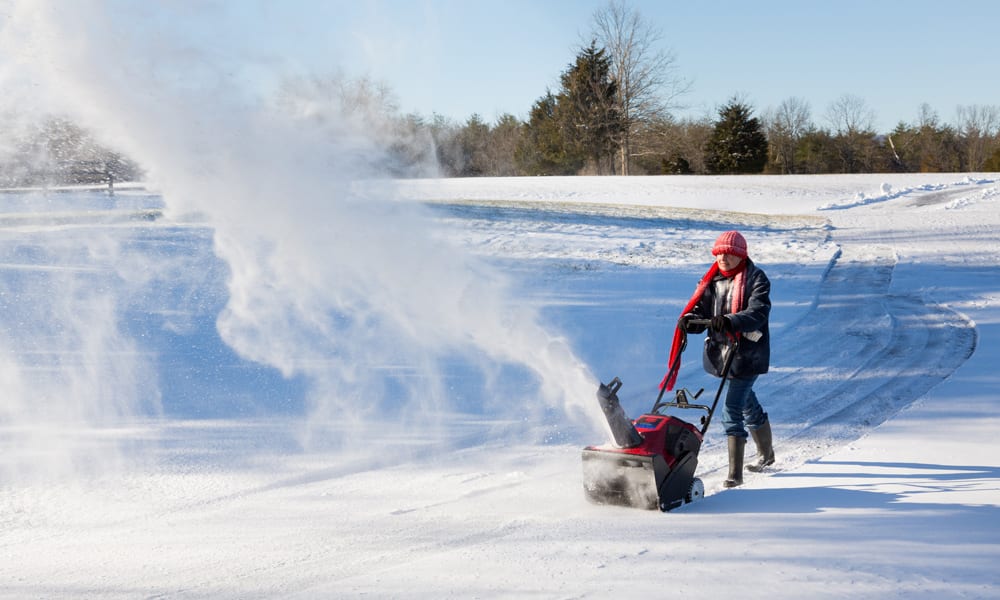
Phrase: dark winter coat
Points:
(752, 357)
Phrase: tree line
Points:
(612, 114)
(577, 130)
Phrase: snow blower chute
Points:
(653, 459)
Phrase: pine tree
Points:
(544, 150)
(588, 108)
(737, 143)
(473, 141)
(992, 164)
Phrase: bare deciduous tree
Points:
(785, 127)
(850, 114)
(647, 78)
(504, 138)
(979, 127)
(934, 146)
(853, 122)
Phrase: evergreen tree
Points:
(815, 153)
(992, 164)
(588, 108)
(543, 150)
(473, 140)
(737, 143)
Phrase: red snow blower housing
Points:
(653, 459)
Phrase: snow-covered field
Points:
(188, 414)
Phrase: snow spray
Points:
(332, 277)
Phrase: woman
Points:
(735, 295)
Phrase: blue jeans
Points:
(742, 407)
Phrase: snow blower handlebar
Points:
(676, 363)
(681, 397)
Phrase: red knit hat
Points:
(730, 242)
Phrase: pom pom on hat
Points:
(730, 242)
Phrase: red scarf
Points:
(738, 275)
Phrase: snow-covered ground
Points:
(151, 447)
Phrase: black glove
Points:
(721, 324)
(685, 322)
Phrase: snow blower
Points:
(653, 459)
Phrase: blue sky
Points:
(459, 57)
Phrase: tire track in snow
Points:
(927, 343)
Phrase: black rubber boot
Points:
(736, 447)
(765, 449)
